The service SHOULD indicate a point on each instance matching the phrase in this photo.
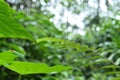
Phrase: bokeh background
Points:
(93, 24)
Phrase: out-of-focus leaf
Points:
(63, 43)
(34, 68)
(58, 68)
(9, 28)
(6, 57)
(18, 48)
(18, 54)
(116, 78)
(117, 61)
(112, 72)
(49, 39)
(109, 67)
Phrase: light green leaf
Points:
(49, 39)
(58, 68)
(6, 57)
(9, 28)
(117, 61)
(111, 57)
(34, 68)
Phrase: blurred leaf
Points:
(112, 72)
(9, 28)
(18, 49)
(49, 39)
(18, 54)
(117, 61)
(109, 67)
(6, 57)
(66, 44)
(34, 68)
(116, 78)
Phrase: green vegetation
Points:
(32, 47)
(11, 29)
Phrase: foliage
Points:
(11, 29)
(49, 46)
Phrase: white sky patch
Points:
(74, 19)
(21, 6)
(53, 1)
(98, 28)
(118, 17)
(78, 1)
(92, 3)
(59, 7)
(103, 6)
(70, 29)
(68, 17)
(81, 32)
(111, 2)
(71, 19)
(12, 1)
(42, 2)
(34, 0)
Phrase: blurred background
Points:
(92, 23)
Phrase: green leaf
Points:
(9, 28)
(117, 61)
(6, 57)
(63, 43)
(116, 78)
(58, 68)
(19, 54)
(34, 68)
(112, 72)
(109, 67)
(17, 48)
(49, 39)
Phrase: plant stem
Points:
(19, 77)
